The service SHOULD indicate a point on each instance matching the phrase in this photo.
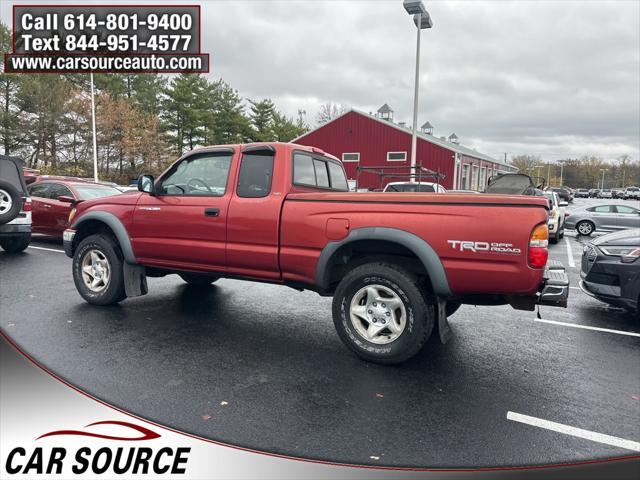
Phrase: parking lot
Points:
(261, 366)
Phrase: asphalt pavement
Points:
(261, 366)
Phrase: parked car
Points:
(405, 187)
(513, 184)
(396, 265)
(606, 218)
(593, 192)
(610, 269)
(15, 206)
(617, 192)
(605, 193)
(563, 192)
(632, 193)
(581, 193)
(556, 216)
(53, 201)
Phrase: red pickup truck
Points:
(396, 264)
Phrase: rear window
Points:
(310, 171)
(87, 192)
(410, 187)
(600, 209)
(511, 184)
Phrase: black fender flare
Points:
(415, 244)
(116, 227)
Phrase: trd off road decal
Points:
(482, 247)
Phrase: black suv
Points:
(563, 192)
(15, 206)
(611, 269)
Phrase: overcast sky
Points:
(552, 78)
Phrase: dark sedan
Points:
(611, 269)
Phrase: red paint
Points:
(279, 238)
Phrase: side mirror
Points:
(145, 184)
(66, 199)
(563, 204)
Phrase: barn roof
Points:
(454, 147)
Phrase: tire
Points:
(554, 239)
(10, 202)
(15, 244)
(585, 227)
(366, 288)
(451, 308)
(196, 279)
(102, 255)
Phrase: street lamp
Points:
(603, 170)
(422, 20)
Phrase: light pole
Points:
(93, 125)
(603, 170)
(422, 20)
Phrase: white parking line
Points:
(575, 432)
(587, 327)
(572, 264)
(47, 249)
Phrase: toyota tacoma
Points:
(396, 265)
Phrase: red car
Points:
(396, 265)
(53, 200)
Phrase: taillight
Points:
(26, 205)
(538, 243)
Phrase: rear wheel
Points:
(98, 270)
(380, 314)
(15, 244)
(195, 279)
(10, 202)
(585, 227)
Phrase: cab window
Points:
(202, 175)
(319, 172)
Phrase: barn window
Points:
(351, 157)
(396, 156)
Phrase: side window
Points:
(303, 171)
(58, 190)
(39, 190)
(626, 209)
(256, 173)
(338, 180)
(322, 175)
(201, 175)
(600, 209)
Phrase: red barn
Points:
(365, 140)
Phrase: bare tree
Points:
(329, 111)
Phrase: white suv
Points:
(632, 192)
(15, 206)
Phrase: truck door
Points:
(254, 215)
(183, 225)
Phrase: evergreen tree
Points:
(262, 119)
(285, 129)
(10, 131)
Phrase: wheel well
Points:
(92, 227)
(359, 252)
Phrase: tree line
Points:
(143, 121)
(583, 172)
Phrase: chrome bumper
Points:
(555, 290)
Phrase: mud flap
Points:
(135, 280)
(444, 330)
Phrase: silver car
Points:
(604, 218)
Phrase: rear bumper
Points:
(14, 229)
(555, 286)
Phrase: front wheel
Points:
(380, 313)
(585, 228)
(98, 270)
(15, 244)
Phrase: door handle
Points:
(45, 205)
(212, 212)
